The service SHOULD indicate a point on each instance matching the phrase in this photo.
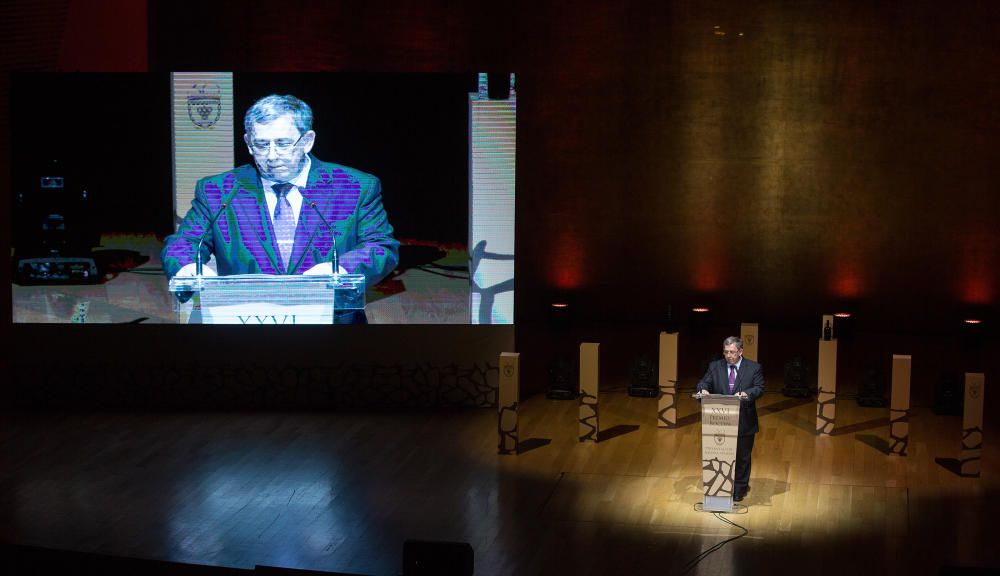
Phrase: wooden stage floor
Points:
(341, 491)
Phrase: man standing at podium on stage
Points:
(735, 375)
(289, 212)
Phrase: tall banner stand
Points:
(748, 332)
(899, 406)
(507, 403)
(589, 410)
(826, 407)
(972, 425)
(666, 415)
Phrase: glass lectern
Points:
(266, 299)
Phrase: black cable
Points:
(694, 562)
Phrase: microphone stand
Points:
(204, 234)
(333, 239)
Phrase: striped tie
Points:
(284, 222)
(732, 378)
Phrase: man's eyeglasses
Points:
(281, 145)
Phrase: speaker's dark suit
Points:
(749, 379)
(243, 240)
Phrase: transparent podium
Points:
(266, 299)
(720, 424)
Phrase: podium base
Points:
(717, 504)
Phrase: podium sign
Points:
(266, 299)
(720, 424)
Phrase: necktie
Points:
(732, 378)
(284, 223)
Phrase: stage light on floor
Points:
(562, 379)
(54, 229)
(948, 398)
(796, 379)
(871, 391)
(642, 378)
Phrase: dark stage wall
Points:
(775, 161)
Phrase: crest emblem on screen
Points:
(204, 104)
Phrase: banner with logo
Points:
(202, 131)
(748, 332)
(507, 403)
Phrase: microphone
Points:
(201, 239)
(333, 237)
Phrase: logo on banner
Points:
(975, 390)
(720, 439)
(749, 339)
(508, 370)
(204, 104)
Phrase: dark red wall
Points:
(775, 161)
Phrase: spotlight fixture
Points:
(643, 379)
(844, 326)
(796, 379)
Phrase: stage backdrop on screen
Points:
(89, 251)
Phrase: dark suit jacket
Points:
(749, 379)
(243, 240)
